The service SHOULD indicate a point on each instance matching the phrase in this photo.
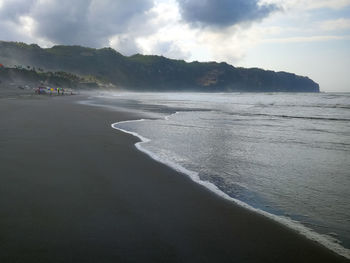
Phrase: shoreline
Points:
(327, 241)
(73, 190)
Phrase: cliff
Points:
(151, 73)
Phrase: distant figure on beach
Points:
(58, 91)
(40, 90)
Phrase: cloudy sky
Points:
(307, 37)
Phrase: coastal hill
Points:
(151, 73)
(19, 77)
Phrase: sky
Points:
(307, 37)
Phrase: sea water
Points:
(287, 155)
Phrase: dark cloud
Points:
(84, 22)
(13, 10)
(222, 13)
(10, 14)
(116, 23)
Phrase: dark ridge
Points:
(152, 73)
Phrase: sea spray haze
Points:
(286, 154)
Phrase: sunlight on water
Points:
(287, 154)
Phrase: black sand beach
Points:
(72, 189)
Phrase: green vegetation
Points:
(23, 76)
(139, 72)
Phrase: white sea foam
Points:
(325, 240)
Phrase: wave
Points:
(288, 116)
(325, 240)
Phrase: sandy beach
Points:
(72, 189)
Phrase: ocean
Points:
(284, 155)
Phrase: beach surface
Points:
(72, 189)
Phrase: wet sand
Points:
(72, 189)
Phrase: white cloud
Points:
(305, 39)
(171, 37)
(229, 45)
(27, 24)
(333, 4)
(309, 4)
(175, 38)
(337, 24)
(124, 43)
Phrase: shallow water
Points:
(286, 154)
